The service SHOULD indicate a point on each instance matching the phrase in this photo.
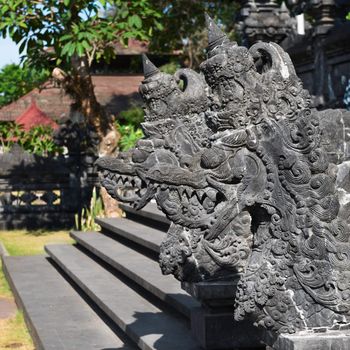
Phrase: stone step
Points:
(149, 212)
(147, 325)
(145, 236)
(139, 268)
(57, 316)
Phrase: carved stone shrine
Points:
(255, 184)
(264, 20)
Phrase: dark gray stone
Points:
(213, 293)
(142, 270)
(219, 330)
(58, 318)
(325, 12)
(318, 339)
(322, 54)
(148, 326)
(150, 212)
(146, 237)
(42, 192)
(246, 171)
(262, 20)
(213, 323)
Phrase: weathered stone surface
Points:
(263, 20)
(219, 330)
(325, 12)
(147, 325)
(213, 293)
(147, 237)
(138, 268)
(213, 323)
(319, 339)
(253, 180)
(56, 315)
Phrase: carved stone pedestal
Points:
(213, 324)
(317, 339)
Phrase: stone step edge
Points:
(130, 236)
(104, 307)
(150, 211)
(41, 336)
(157, 291)
(28, 320)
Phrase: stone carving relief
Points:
(264, 20)
(236, 159)
(323, 11)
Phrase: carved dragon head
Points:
(235, 160)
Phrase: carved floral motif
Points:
(235, 161)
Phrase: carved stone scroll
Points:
(239, 163)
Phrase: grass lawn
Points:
(13, 331)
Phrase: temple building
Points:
(116, 86)
(316, 36)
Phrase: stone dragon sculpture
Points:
(237, 161)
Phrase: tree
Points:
(184, 26)
(16, 81)
(66, 36)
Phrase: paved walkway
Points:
(8, 308)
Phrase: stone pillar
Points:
(328, 17)
(324, 13)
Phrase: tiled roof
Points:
(135, 47)
(116, 93)
(33, 116)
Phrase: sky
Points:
(8, 52)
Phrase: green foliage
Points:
(169, 68)
(348, 16)
(38, 140)
(86, 220)
(10, 133)
(16, 81)
(71, 35)
(129, 136)
(184, 26)
(133, 116)
(129, 127)
(84, 28)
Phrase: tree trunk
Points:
(111, 207)
(80, 87)
(94, 113)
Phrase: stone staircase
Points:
(106, 291)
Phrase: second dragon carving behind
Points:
(235, 158)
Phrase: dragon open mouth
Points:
(127, 188)
(193, 208)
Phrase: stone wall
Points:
(41, 192)
(323, 64)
